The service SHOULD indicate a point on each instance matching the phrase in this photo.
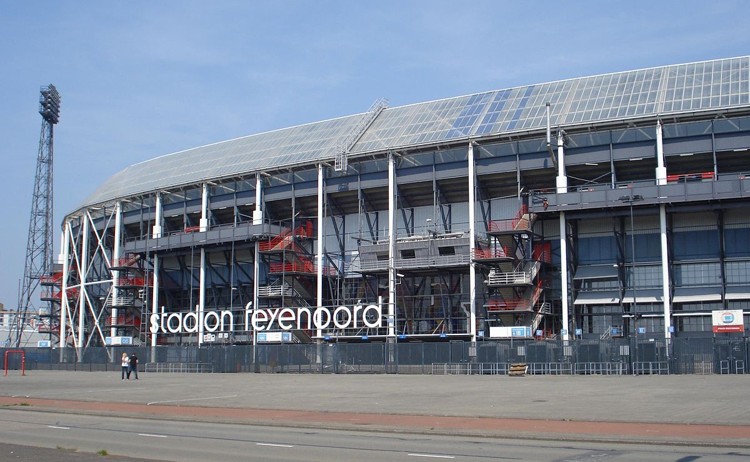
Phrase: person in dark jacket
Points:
(133, 365)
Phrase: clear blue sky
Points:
(144, 78)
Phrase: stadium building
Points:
(605, 206)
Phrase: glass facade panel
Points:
(697, 274)
(598, 249)
(732, 125)
(737, 272)
(737, 242)
(646, 276)
(647, 247)
(693, 323)
(696, 244)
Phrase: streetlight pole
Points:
(634, 311)
(633, 282)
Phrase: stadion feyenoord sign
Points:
(342, 317)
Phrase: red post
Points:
(23, 360)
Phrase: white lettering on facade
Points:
(262, 319)
(190, 323)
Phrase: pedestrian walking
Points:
(133, 363)
(125, 363)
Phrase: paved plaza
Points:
(705, 409)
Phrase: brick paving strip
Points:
(700, 434)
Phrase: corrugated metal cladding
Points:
(596, 228)
(735, 217)
(551, 230)
(709, 85)
(694, 220)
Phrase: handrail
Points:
(513, 277)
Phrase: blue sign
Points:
(641, 330)
(523, 331)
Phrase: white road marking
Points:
(58, 427)
(190, 399)
(275, 445)
(151, 435)
(434, 456)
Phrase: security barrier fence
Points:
(726, 355)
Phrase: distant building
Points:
(31, 335)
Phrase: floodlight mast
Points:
(39, 257)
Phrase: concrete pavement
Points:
(710, 409)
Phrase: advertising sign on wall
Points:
(725, 321)
(510, 332)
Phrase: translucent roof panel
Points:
(709, 85)
(424, 123)
(623, 95)
(266, 151)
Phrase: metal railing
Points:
(513, 277)
(615, 356)
(179, 368)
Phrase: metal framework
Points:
(39, 257)
(464, 239)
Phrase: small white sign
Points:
(725, 321)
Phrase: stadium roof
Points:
(683, 88)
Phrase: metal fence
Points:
(550, 357)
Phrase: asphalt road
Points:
(317, 417)
(69, 437)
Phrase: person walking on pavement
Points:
(133, 366)
(125, 363)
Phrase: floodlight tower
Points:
(39, 245)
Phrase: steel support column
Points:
(116, 273)
(258, 212)
(156, 231)
(472, 241)
(64, 307)
(154, 301)
(665, 271)
(661, 169)
(201, 295)
(562, 187)
(391, 246)
(204, 209)
(82, 296)
(321, 238)
(256, 276)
